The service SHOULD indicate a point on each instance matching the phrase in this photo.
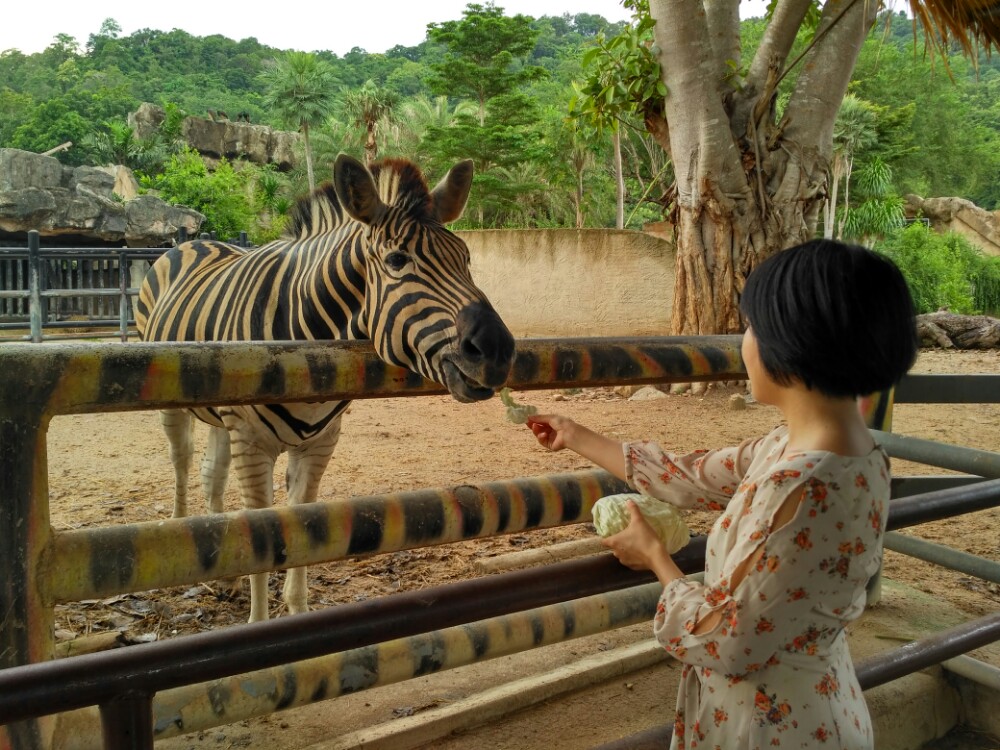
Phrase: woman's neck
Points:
(818, 422)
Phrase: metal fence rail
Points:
(68, 288)
(80, 681)
(37, 383)
(44, 289)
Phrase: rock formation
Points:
(80, 204)
(223, 138)
(979, 226)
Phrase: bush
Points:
(220, 195)
(944, 270)
(251, 199)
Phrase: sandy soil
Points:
(111, 469)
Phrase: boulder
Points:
(239, 140)
(126, 186)
(979, 226)
(648, 393)
(146, 120)
(223, 138)
(38, 192)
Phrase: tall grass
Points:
(944, 270)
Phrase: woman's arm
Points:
(556, 433)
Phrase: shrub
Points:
(221, 195)
(944, 270)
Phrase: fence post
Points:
(127, 722)
(124, 276)
(877, 411)
(35, 312)
(28, 620)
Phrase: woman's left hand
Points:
(637, 544)
(638, 547)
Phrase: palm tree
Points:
(881, 211)
(423, 112)
(372, 108)
(333, 138)
(853, 130)
(117, 143)
(300, 89)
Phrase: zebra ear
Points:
(356, 190)
(452, 192)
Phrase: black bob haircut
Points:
(838, 318)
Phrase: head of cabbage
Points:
(611, 516)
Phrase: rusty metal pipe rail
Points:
(948, 389)
(945, 556)
(81, 681)
(75, 682)
(956, 457)
(91, 378)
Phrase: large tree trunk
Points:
(371, 146)
(709, 268)
(746, 184)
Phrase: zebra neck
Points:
(331, 290)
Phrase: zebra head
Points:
(423, 311)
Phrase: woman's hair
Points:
(839, 318)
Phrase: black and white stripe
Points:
(365, 257)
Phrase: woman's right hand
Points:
(556, 432)
(551, 430)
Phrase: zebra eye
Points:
(396, 260)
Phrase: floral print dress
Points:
(775, 670)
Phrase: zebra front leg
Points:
(177, 424)
(254, 466)
(306, 465)
(215, 468)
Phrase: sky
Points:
(340, 25)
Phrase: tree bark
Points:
(371, 146)
(309, 157)
(746, 184)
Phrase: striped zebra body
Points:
(366, 257)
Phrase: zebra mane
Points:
(399, 182)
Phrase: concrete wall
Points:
(567, 282)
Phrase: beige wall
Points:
(571, 283)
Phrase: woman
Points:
(762, 640)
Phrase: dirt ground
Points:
(112, 469)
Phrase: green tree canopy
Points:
(485, 55)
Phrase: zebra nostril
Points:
(485, 344)
(470, 350)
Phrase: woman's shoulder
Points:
(824, 469)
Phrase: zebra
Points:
(367, 256)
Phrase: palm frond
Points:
(967, 22)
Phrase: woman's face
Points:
(761, 385)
